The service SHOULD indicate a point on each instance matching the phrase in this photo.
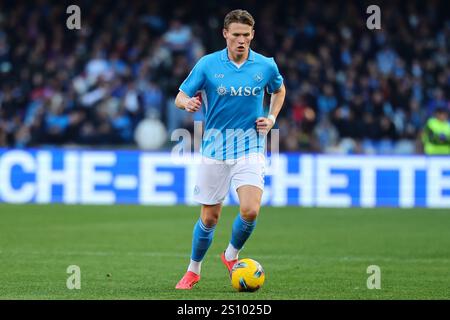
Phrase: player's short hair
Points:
(238, 16)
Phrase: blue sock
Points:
(242, 229)
(201, 240)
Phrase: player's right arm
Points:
(183, 101)
(194, 82)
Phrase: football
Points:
(247, 275)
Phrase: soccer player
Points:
(232, 84)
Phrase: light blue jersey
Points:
(232, 99)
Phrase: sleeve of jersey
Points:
(194, 81)
(276, 80)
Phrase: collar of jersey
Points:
(224, 55)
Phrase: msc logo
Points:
(238, 92)
(245, 91)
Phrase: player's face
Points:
(238, 37)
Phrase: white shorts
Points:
(215, 177)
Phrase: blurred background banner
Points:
(363, 105)
(147, 178)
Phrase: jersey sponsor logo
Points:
(221, 90)
(239, 91)
(244, 91)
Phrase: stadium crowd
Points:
(349, 89)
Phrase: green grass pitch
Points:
(140, 252)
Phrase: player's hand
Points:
(193, 104)
(263, 125)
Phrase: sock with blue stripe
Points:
(240, 232)
(201, 240)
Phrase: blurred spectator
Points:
(327, 135)
(436, 134)
(178, 38)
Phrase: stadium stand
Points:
(349, 89)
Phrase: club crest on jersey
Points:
(258, 77)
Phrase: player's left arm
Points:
(264, 125)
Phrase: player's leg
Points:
(203, 235)
(244, 223)
(201, 240)
(248, 178)
(212, 186)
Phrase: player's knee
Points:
(249, 213)
(210, 221)
(210, 215)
